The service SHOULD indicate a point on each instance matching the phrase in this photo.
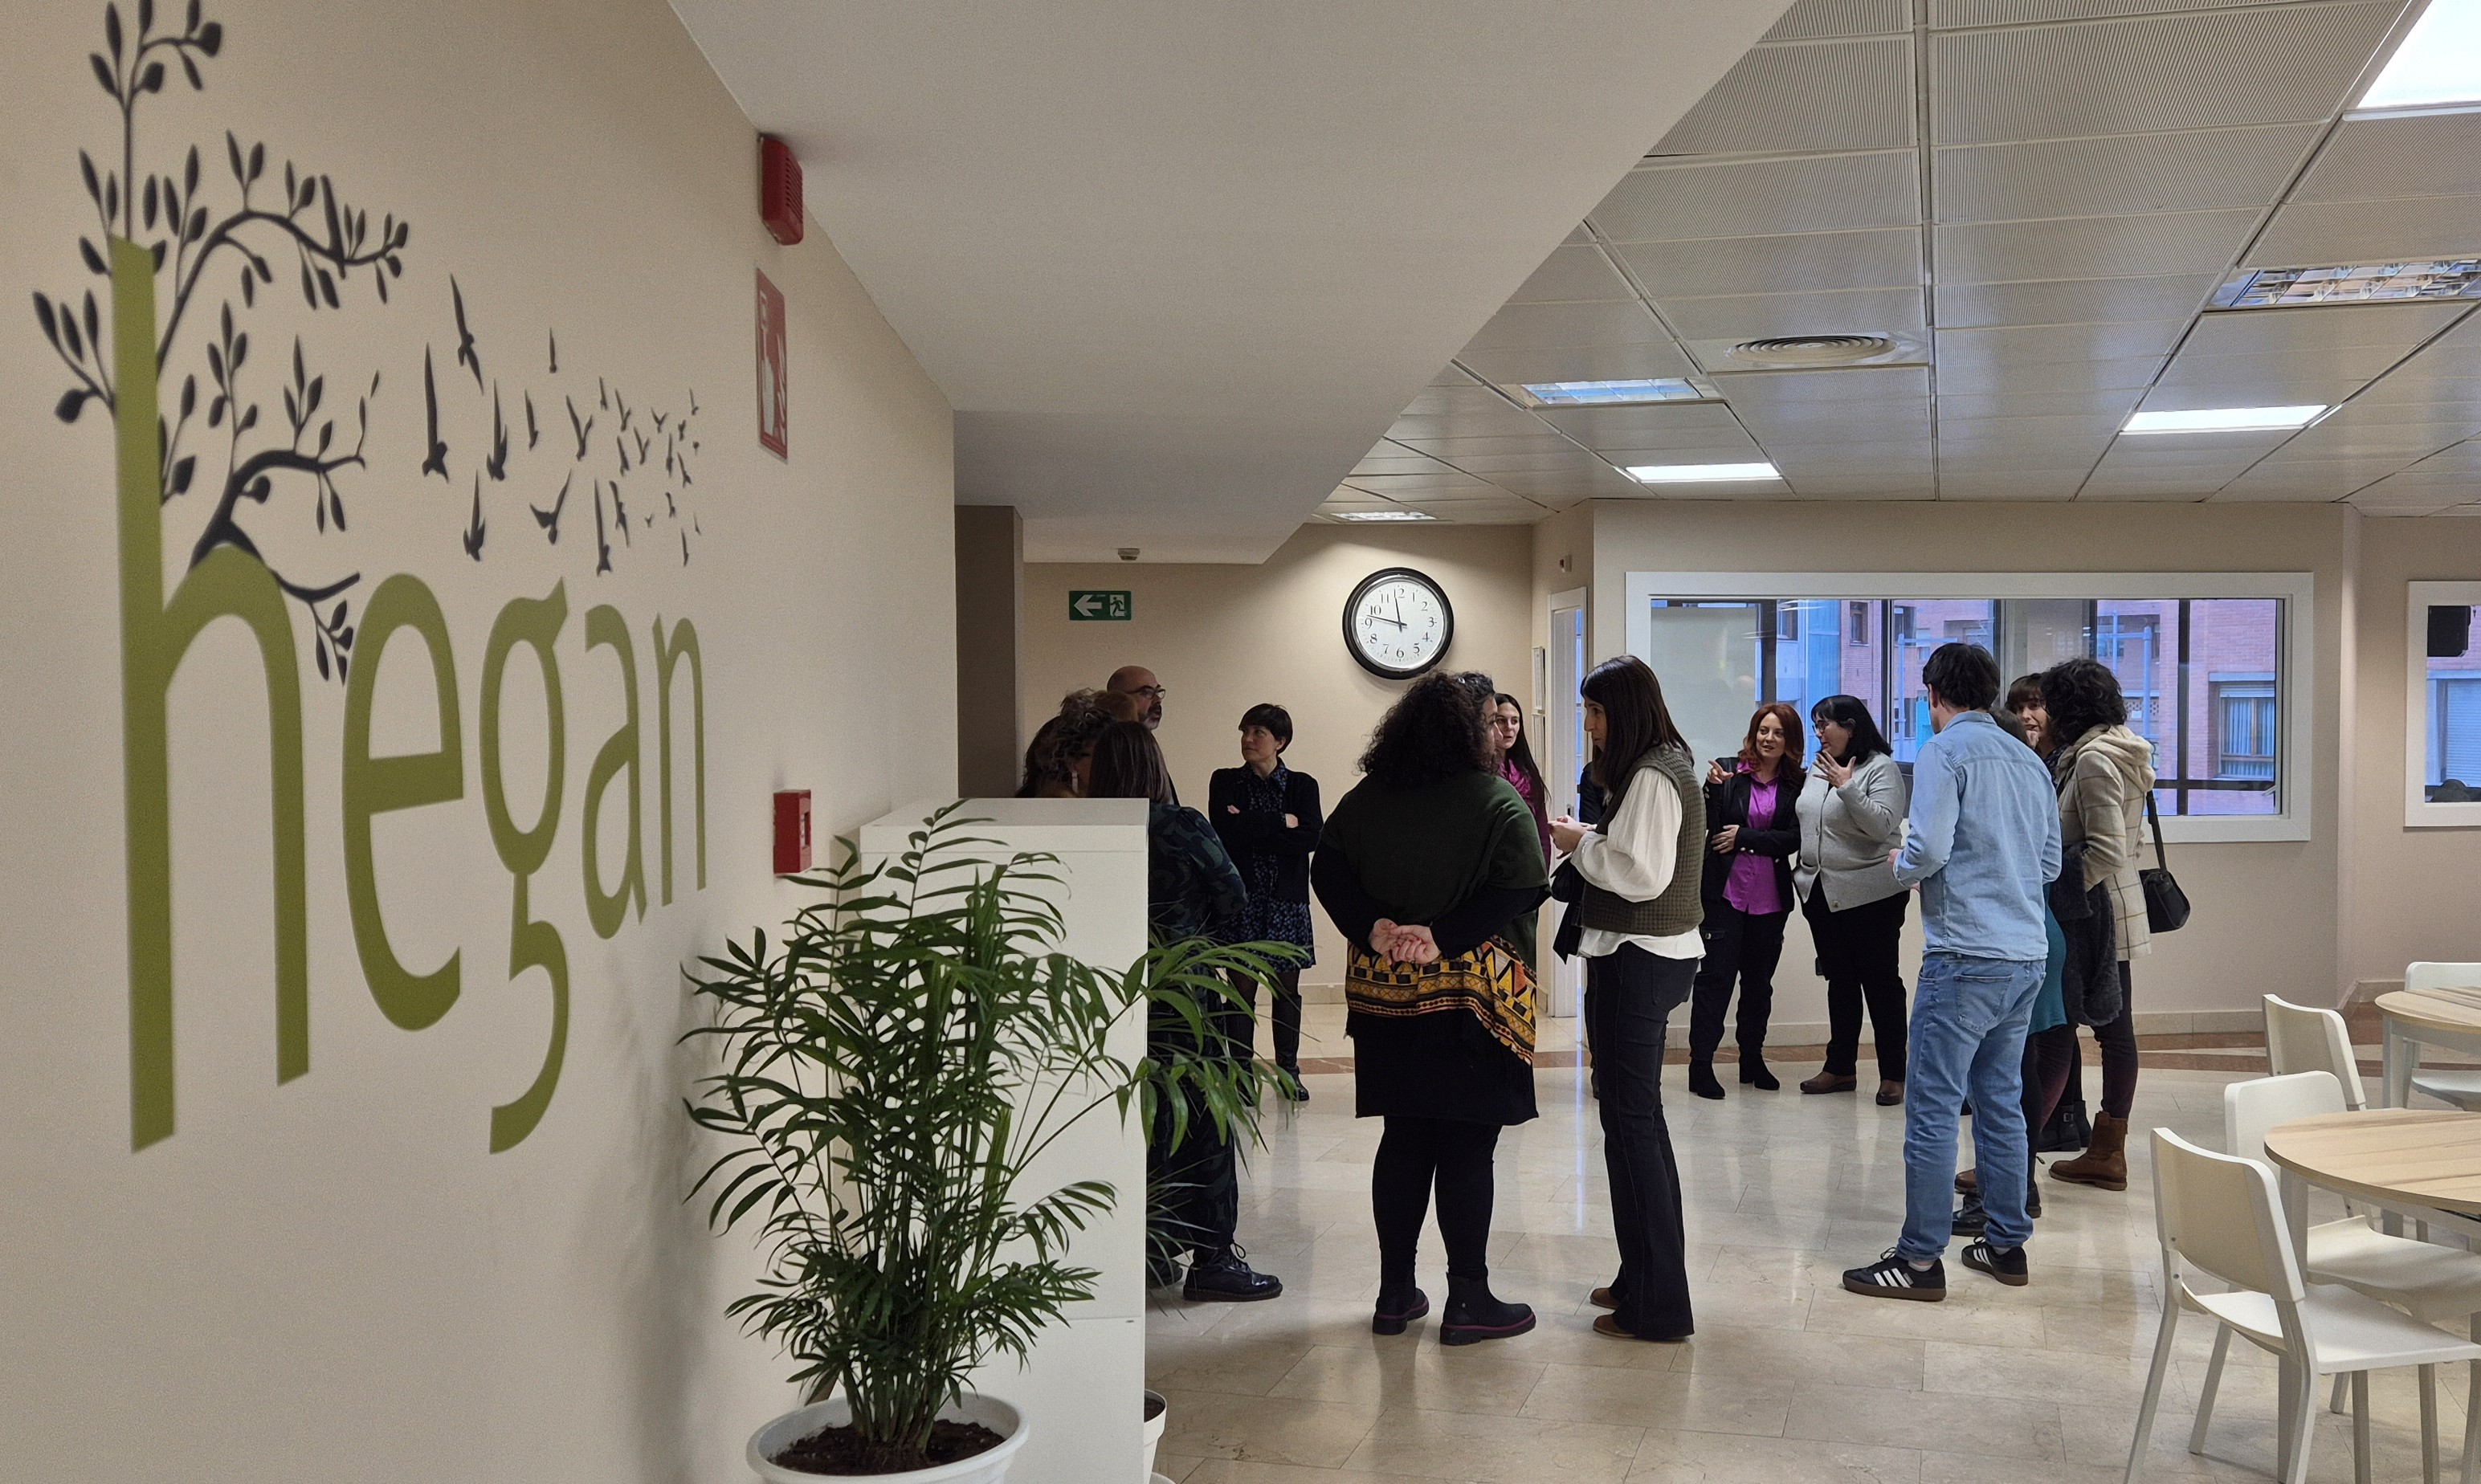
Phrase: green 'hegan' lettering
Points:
(532, 944)
(685, 641)
(154, 638)
(375, 786)
(608, 910)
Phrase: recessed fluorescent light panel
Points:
(2275, 288)
(2439, 64)
(2223, 419)
(1700, 474)
(1382, 515)
(1634, 393)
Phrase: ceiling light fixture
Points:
(1700, 474)
(1360, 515)
(2223, 419)
(2438, 64)
(1622, 393)
(2354, 283)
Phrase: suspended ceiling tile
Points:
(1541, 442)
(1506, 422)
(1571, 273)
(2379, 158)
(1490, 464)
(1987, 490)
(1764, 392)
(2037, 378)
(1758, 316)
(2057, 428)
(2101, 403)
(2350, 367)
(1597, 426)
(1949, 14)
(1809, 19)
(2269, 391)
(1400, 486)
(2187, 242)
(1888, 258)
(1892, 450)
(2281, 63)
(1569, 486)
(1970, 352)
(2193, 170)
(2413, 490)
(1678, 202)
(2165, 494)
(2410, 443)
(1452, 402)
(2320, 233)
(1828, 424)
(2399, 326)
(1538, 326)
(1580, 363)
(1804, 95)
(2244, 493)
(1450, 375)
(1718, 453)
(1867, 489)
(1399, 460)
(2074, 300)
(2459, 458)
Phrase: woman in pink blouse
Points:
(1515, 760)
(1753, 835)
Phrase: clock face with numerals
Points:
(1397, 623)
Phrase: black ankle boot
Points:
(1399, 1305)
(1754, 1074)
(1700, 1079)
(1474, 1315)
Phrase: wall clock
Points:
(1397, 623)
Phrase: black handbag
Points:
(2166, 906)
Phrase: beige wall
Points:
(2414, 892)
(1224, 637)
(334, 1277)
(2266, 919)
(990, 646)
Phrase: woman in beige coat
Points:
(2104, 772)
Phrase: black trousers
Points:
(1415, 1157)
(1286, 1017)
(1746, 947)
(1630, 994)
(1195, 1181)
(1856, 957)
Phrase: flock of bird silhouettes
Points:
(633, 442)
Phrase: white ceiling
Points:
(2045, 193)
(1176, 265)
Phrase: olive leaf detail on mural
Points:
(186, 233)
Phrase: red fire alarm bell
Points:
(792, 832)
(779, 191)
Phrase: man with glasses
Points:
(1135, 680)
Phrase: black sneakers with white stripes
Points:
(1893, 1277)
(2005, 1264)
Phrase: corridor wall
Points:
(305, 1181)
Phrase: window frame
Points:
(2297, 675)
(2419, 812)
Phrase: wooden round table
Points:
(2449, 1016)
(2397, 1156)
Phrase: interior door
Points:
(1562, 729)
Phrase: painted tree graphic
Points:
(185, 235)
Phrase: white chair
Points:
(2429, 1282)
(2219, 1217)
(2302, 1039)
(2461, 1088)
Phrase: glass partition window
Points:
(2443, 760)
(2203, 676)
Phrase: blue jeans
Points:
(1969, 1018)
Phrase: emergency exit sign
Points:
(1097, 606)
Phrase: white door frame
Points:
(1556, 724)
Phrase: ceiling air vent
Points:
(1808, 352)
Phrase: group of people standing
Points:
(1680, 882)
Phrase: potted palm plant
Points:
(888, 1070)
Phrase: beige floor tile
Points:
(1712, 1457)
(1264, 1429)
(2001, 1426)
(2034, 1376)
(1240, 1365)
(1699, 1401)
(1217, 1471)
(1406, 1371)
(1178, 1470)
(1799, 1355)
(1496, 1449)
(1961, 1317)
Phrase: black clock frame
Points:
(1447, 611)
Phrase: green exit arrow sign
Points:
(1097, 606)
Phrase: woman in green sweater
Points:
(1432, 868)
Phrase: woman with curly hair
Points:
(1431, 870)
(2105, 773)
(1058, 758)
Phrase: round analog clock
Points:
(1397, 623)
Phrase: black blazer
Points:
(1249, 835)
(1728, 803)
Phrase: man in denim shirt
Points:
(1983, 845)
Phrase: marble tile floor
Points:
(1789, 1380)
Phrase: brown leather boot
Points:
(2104, 1162)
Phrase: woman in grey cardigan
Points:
(1851, 818)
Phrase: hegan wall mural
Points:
(240, 447)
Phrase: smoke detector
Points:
(1810, 353)
(1127, 553)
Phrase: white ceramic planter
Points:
(1155, 1431)
(982, 1469)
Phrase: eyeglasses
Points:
(1151, 692)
